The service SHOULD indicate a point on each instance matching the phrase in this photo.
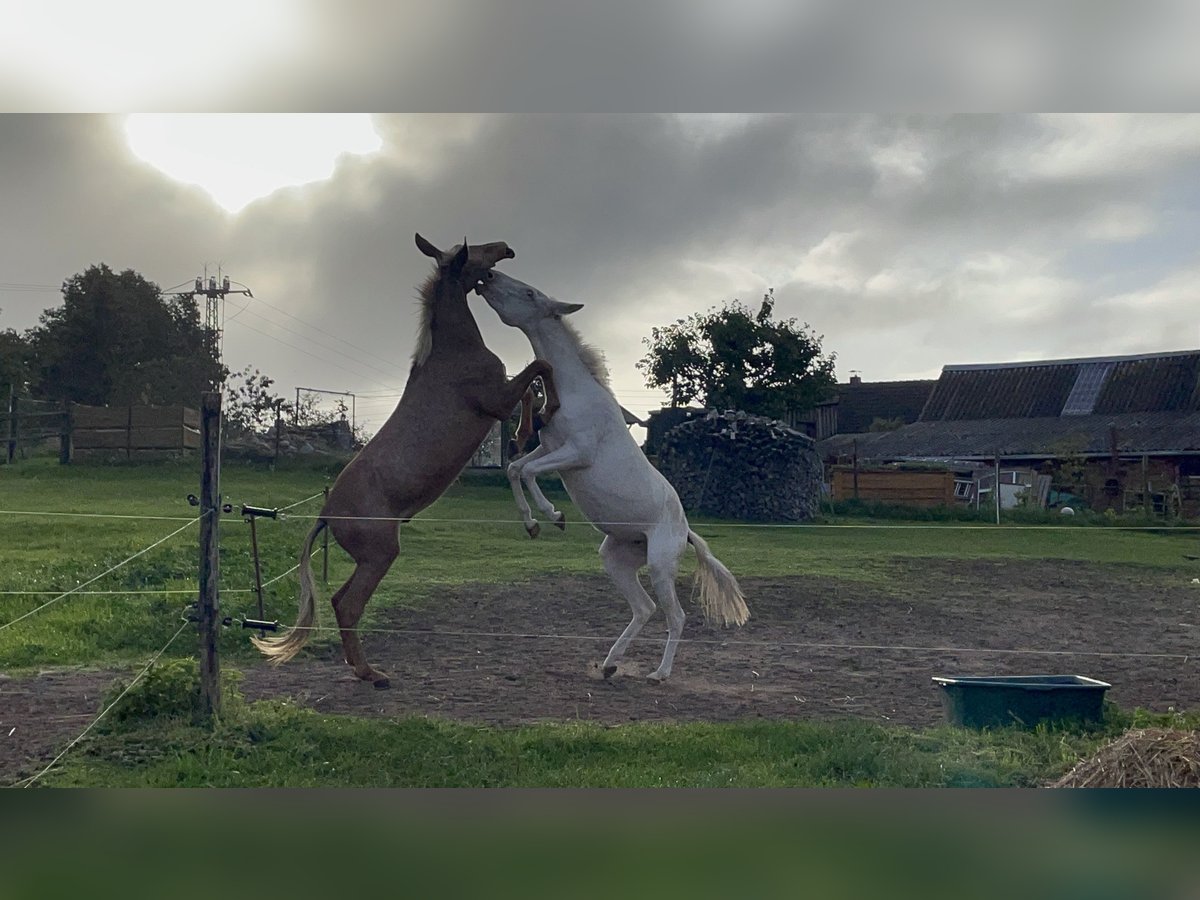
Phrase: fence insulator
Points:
(260, 624)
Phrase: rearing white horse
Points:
(608, 476)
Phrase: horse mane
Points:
(424, 345)
(592, 358)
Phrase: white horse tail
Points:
(281, 649)
(721, 599)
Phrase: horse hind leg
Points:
(621, 562)
(348, 605)
(350, 601)
(663, 558)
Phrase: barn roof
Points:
(1152, 433)
(858, 405)
(1146, 404)
(1101, 385)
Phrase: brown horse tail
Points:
(721, 599)
(281, 649)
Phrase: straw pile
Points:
(1144, 758)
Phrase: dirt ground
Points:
(481, 653)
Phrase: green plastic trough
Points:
(989, 702)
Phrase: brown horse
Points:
(457, 388)
(530, 424)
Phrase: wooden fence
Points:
(133, 431)
(899, 487)
(36, 427)
(30, 427)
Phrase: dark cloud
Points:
(908, 241)
(618, 56)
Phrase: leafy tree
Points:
(14, 364)
(116, 339)
(736, 358)
(249, 404)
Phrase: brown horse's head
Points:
(471, 265)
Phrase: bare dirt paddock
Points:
(789, 662)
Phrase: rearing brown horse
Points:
(457, 388)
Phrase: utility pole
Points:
(214, 288)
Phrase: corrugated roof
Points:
(861, 404)
(1158, 432)
(1111, 385)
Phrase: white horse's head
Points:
(519, 304)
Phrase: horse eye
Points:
(529, 294)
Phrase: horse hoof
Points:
(560, 522)
(609, 672)
(534, 530)
(656, 677)
(382, 683)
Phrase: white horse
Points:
(608, 476)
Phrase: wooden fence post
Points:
(64, 438)
(325, 547)
(278, 429)
(856, 470)
(13, 403)
(997, 497)
(210, 520)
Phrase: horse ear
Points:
(427, 248)
(460, 258)
(565, 309)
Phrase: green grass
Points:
(150, 740)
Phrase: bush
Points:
(170, 691)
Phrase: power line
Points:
(325, 331)
(16, 287)
(315, 341)
(323, 359)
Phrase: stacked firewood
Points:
(732, 465)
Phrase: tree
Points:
(735, 358)
(117, 340)
(249, 404)
(14, 364)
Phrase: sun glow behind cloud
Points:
(240, 157)
(131, 54)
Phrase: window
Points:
(1082, 399)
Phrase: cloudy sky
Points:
(908, 241)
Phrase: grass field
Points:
(471, 535)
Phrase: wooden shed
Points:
(921, 487)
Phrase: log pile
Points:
(732, 465)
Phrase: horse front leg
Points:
(536, 463)
(500, 398)
(513, 391)
(514, 480)
(543, 503)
